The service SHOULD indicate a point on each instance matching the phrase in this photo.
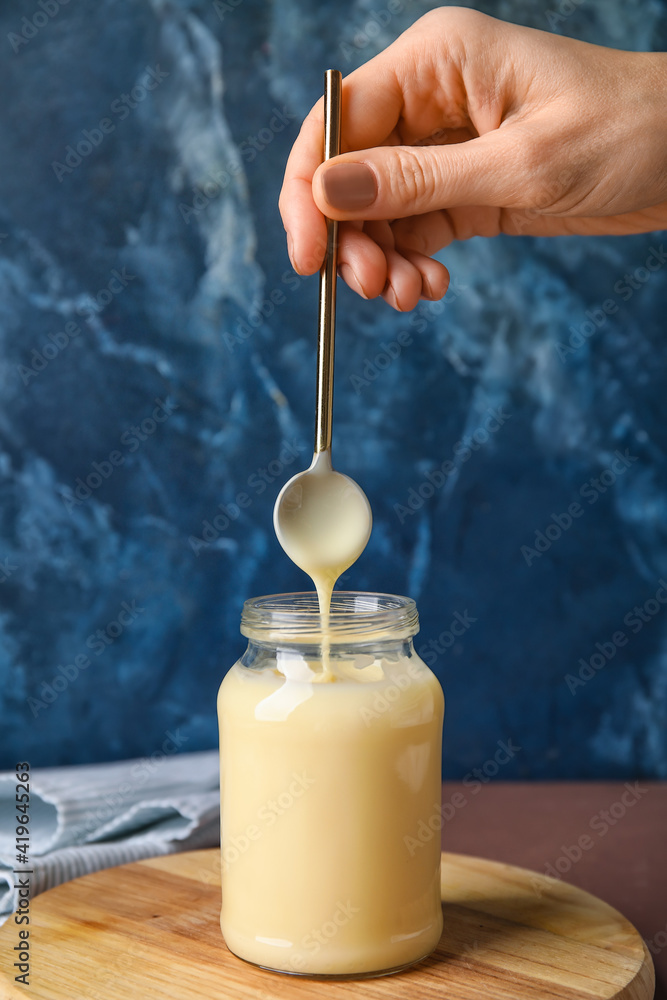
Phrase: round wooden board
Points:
(150, 930)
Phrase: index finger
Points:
(371, 108)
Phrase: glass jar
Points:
(330, 752)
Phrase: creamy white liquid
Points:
(324, 787)
(323, 521)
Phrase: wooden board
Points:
(150, 931)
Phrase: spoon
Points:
(322, 518)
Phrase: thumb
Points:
(393, 182)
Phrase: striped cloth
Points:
(95, 816)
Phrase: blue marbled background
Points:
(132, 282)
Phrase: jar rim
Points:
(355, 616)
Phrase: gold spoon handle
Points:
(333, 85)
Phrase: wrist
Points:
(645, 99)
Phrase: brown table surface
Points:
(614, 833)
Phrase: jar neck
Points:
(258, 653)
(356, 619)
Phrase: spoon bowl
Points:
(322, 519)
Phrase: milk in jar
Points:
(327, 778)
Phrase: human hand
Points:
(469, 126)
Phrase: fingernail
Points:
(389, 296)
(349, 186)
(348, 275)
(427, 291)
(290, 251)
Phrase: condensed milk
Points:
(324, 782)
